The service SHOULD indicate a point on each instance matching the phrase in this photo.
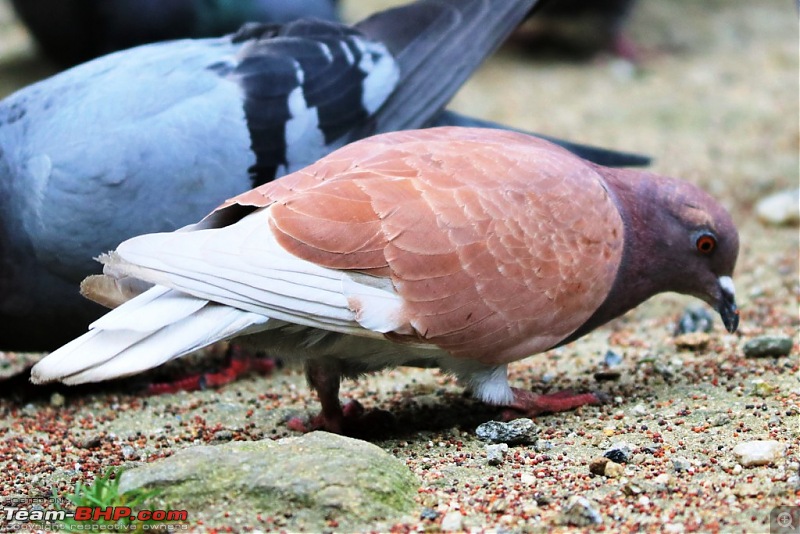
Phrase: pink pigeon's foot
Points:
(353, 420)
(350, 420)
(529, 404)
(238, 364)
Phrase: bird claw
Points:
(353, 420)
(529, 404)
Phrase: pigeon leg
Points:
(325, 380)
(238, 362)
(350, 419)
(529, 404)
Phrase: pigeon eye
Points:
(706, 243)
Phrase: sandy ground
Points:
(715, 100)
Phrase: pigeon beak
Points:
(726, 306)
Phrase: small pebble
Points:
(517, 432)
(91, 441)
(694, 319)
(620, 452)
(605, 376)
(579, 512)
(779, 208)
(57, 400)
(763, 389)
(630, 489)
(614, 470)
(128, 452)
(674, 528)
(452, 521)
(222, 435)
(664, 479)
(759, 452)
(428, 513)
(719, 419)
(597, 466)
(680, 464)
(695, 341)
(763, 346)
(612, 359)
(495, 453)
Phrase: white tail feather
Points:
(118, 346)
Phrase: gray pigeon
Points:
(74, 31)
(152, 138)
(464, 249)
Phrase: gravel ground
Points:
(715, 100)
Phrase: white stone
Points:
(781, 208)
(760, 452)
(453, 521)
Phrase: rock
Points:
(605, 376)
(91, 441)
(695, 341)
(579, 513)
(128, 452)
(614, 470)
(694, 319)
(496, 453)
(759, 452)
(429, 514)
(452, 521)
(780, 208)
(517, 432)
(57, 400)
(763, 389)
(630, 489)
(620, 452)
(597, 466)
(612, 359)
(680, 464)
(719, 419)
(305, 481)
(762, 346)
(222, 435)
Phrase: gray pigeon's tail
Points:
(438, 45)
(601, 156)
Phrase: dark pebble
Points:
(763, 346)
(694, 319)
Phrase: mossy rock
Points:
(305, 483)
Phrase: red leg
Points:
(529, 404)
(351, 419)
(238, 363)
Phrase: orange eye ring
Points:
(706, 244)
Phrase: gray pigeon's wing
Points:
(601, 156)
(463, 33)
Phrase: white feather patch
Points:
(382, 74)
(304, 138)
(121, 346)
(242, 265)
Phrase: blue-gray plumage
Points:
(73, 31)
(151, 139)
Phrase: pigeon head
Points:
(678, 239)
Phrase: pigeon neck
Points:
(638, 277)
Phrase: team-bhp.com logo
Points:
(26, 514)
